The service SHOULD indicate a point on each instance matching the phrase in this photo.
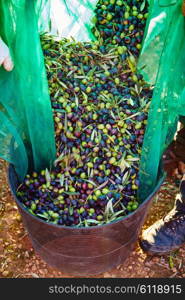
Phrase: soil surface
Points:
(19, 260)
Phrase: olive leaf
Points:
(118, 176)
(136, 89)
(47, 176)
(132, 63)
(65, 122)
(123, 164)
(62, 180)
(109, 210)
(90, 181)
(132, 116)
(113, 115)
(66, 186)
(56, 94)
(71, 193)
(142, 5)
(43, 216)
(76, 100)
(71, 210)
(123, 207)
(80, 77)
(93, 134)
(115, 215)
(101, 186)
(92, 221)
(82, 70)
(91, 72)
(59, 159)
(143, 102)
(86, 223)
(110, 138)
(133, 159)
(85, 96)
(171, 263)
(131, 102)
(125, 178)
(91, 173)
(88, 171)
(62, 84)
(105, 97)
(70, 73)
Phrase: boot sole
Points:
(159, 253)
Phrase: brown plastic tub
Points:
(83, 251)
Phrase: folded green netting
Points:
(12, 147)
(162, 64)
(27, 129)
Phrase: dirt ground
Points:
(19, 260)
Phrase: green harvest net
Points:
(27, 131)
(162, 63)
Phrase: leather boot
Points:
(167, 234)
